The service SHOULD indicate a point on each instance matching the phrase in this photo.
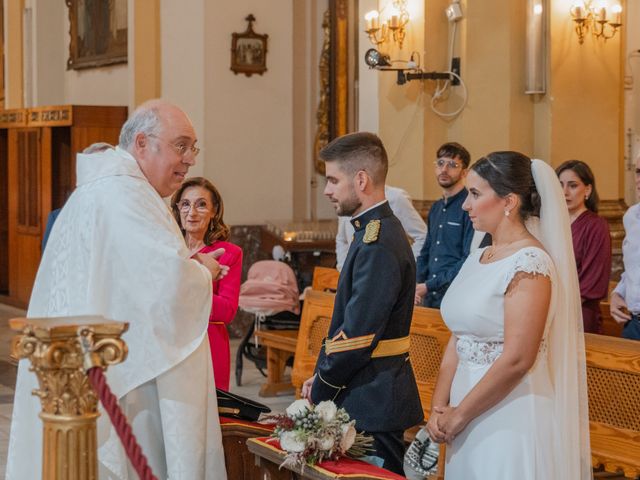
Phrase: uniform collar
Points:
(378, 211)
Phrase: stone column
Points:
(61, 350)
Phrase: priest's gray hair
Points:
(145, 119)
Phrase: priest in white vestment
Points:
(116, 251)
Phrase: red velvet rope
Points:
(119, 421)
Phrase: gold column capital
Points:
(61, 350)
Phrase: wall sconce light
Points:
(379, 61)
(378, 30)
(596, 19)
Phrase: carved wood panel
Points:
(29, 174)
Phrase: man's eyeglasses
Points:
(451, 164)
(200, 205)
(180, 148)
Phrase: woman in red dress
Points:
(591, 239)
(198, 209)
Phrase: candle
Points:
(578, 11)
(372, 20)
(394, 22)
(617, 14)
(602, 14)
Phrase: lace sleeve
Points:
(532, 261)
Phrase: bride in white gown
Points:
(510, 399)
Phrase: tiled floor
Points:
(252, 379)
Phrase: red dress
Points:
(223, 309)
(592, 248)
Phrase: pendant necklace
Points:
(495, 250)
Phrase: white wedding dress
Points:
(515, 439)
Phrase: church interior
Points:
(266, 86)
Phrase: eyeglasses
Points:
(200, 205)
(451, 164)
(180, 148)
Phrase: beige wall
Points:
(585, 102)
(578, 117)
(249, 120)
(400, 122)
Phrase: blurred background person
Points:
(591, 239)
(625, 299)
(199, 210)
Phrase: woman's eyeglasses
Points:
(200, 205)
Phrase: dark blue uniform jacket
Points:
(374, 302)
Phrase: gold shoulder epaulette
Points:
(372, 231)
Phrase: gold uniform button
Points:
(357, 223)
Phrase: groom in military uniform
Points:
(364, 363)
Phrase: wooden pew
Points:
(239, 461)
(314, 326)
(429, 337)
(325, 279)
(613, 378)
(281, 344)
(610, 327)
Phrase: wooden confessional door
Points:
(29, 175)
(4, 215)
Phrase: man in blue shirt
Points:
(450, 230)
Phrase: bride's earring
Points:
(507, 213)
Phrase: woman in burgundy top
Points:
(198, 208)
(591, 240)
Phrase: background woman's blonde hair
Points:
(217, 229)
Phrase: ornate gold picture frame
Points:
(332, 115)
(98, 31)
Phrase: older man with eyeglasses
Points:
(450, 231)
(117, 251)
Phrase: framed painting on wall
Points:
(98, 31)
(249, 51)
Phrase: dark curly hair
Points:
(586, 176)
(510, 172)
(217, 230)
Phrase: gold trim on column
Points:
(147, 59)
(60, 351)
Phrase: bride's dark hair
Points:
(510, 172)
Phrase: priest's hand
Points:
(209, 260)
(421, 291)
(618, 309)
(306, 388)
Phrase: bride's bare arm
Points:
(526, 305)
(441, 391)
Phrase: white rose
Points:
(299, 406)
(348, 436)
(290, 443)
(326, 443)
(326, 410)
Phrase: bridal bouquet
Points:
(314, 433)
